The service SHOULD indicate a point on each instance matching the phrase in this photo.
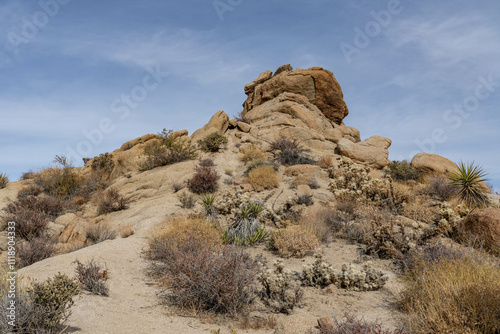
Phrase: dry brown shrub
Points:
(419, 211)
(252, 152)
(317, 223)
(258, 323)
(264, 177)
(179, 230)
(453, 296)
(100, 232)
(325, 161)
(29, 190)
(294, 241)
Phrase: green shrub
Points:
(42, 307)
(103, 163)
(3, 180)
(214, 142)
(168, 150)
(402, 171)
(469, 181)
(289, 152)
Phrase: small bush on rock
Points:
(92, 277)
(103, 164)
(440, 187)
(111, 201)
(34, 250)
(214, 142)
(402, 171)
(100, 232)
(204, 181)
(289, 152)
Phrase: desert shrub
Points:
(432, 253)
(241, 118)
(469, 182)
(29, 190)
(264, 177)
(281, 288)
(204, 180)
(317, 224)
(187, 200)
(402, 171)
(440, 187)
(100, 232)
(229, 172)
(321, 274)
(214, 142)
(34, 250)
(176, 186)
(32, 214)
(168, 150)
(458, 295)
(178, 232)
(103, 163)
(294, 241)
(3, 180)
(42, 307)
(126, 231)
(221, 282)
(305, 199)
(325, 161)
(419, 211)
(207, 162)
(229, 181)
(92, 277)
(111, 201)
(289, 152)
(313, 183)
(354, 325)
(258, 323)
(251, 152)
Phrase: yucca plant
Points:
(3, 180)
(208, 201)
(469, 181)
(246, 229)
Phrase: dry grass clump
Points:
(111, 201)
(294, 241)
(100, 232)
(355, 325)
(317, 223)
(197, 271)
(126, 231)
(264, 177)
(29, 190)
(452, 296)
(419, 211)
(187, 200)
(440, 187)
(258, 323)
(251, 152)
(92, 277)
(325, 161)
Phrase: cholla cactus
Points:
(350, 180)
(321, 274)
(282, 290)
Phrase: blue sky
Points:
(423, 73)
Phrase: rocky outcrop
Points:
(316, 84)
(428, 163)
(372, 151)
(218, 123)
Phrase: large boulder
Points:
(218, 123)
(483, 225)
(372, 151)
(428, 163)
(316, 84)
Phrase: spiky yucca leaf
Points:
(3, 180)
(468, 180)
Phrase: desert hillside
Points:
(279, 220)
